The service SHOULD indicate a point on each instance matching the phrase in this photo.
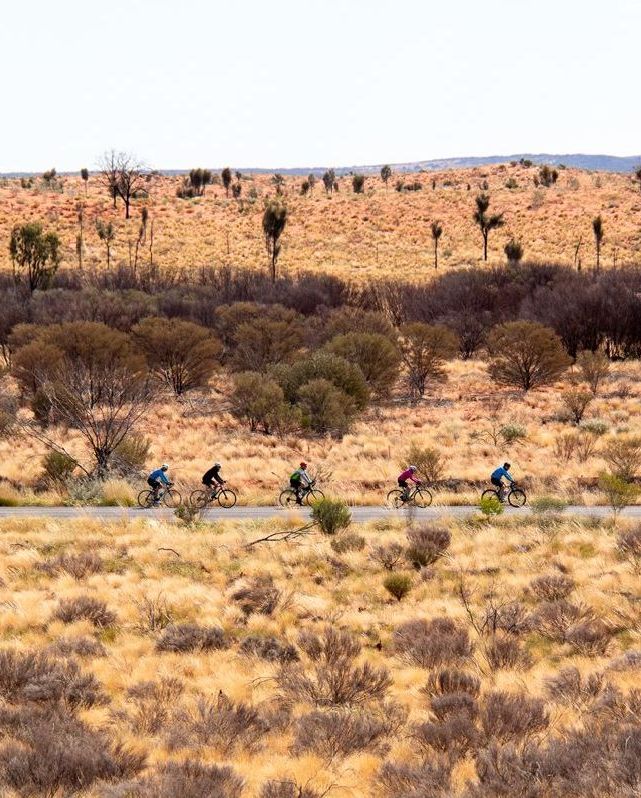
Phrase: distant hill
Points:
(595, 163)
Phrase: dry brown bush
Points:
(34, 676)
(455, 735)
(271, 649)
(348, 541)
(188, 779)
(76, 565)
(154, 613)
(77, 647)
(503, 651)
(430, 644)
(429, 779)
(388, 555)
(552, 619)
(191, 637)
(569, 687)
(276, 788)
(259, 596)
(150, 704)
(553, 587)
(220, 724)
(590, 637)
(510, 716)
(427, 544)
(510, 617)
(629, 546)
(447, 704)
(85, 608)
(341, 732)
(451, 680)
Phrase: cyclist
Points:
(497, 479)
(409, 473)
(212, 477)
(157, 479)
(300, 479)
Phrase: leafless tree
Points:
(122, 174)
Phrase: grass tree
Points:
(485, 221)
(386, 173)
(513, 251)
(226, 178)
(599, 233)
(106, 233)
(437, 232)
(84, 174)
(274, 221)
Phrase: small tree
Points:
(358, 184)
(107, 234)
(526, 355)
(618, 491)
(35, 252)
(429, 461)
(437, 232)
(329, 179)
(274, 221)
(547, 176)
(576, 401)
(311, 180)
(597, 228)
(486, 222)
(425, 348)
(122, 174)
(623, 455)
(84, 174)
(304, 188)
(325, 408)
(260, 401)
(279, 182)
(513, 252)
(386, 173)
(182, 354)
(376, 356)
(595, 367)
(225, 176)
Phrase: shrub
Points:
(509, 716)
(429, 779)
(388, 555)
(503, 651)
(429, 461)
(131, 454)
(513, 251)
(331, 515)
(36, 677)
(375, 354)
(189, 779)
(270, 649)
(455, 735)
(284, 788)
(629, 546)
(576, 402)
(342, 732)
(553, 587)
(451, 680)
(77, 647)
(526, 355)
(358, 184)
(623, 455)
(589, 638)
(424, 350)
(347, 542)
(619, 493)
(151, 703)
(85, 608)
(78, 566)
(324, 365)
(260, 401)
(346, 320)
(220, 724)
(595, 367)
(445, 705)
(552, 619)
(191, 637)
(569, 687)
(491, 505)
(58, 467)
(427, 544)
(542, 505)
(325, 408)
(430, 644)
(513, 433)
(265, 341)
(260, 596)
(398, 585)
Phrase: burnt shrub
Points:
(341, 732)
(333, 678)
(429, 779)
(270, 649)
(430, 644)
(85, 608)
(504, 652)
(427, 544)
(553, 587)
(34, 676)
(53, 753)
(512, 716)
(260, 596)
(189, 779)
(451, 680)
(191, 637)
(218, 723)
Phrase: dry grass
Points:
(331, 683)
(359, 236)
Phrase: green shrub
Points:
(325, 408)
(623, 455)
(331, 515)
(491, 505)
(130, 456)
(619, 493)
(511, 433)
(398, 585)
(58, 467)
(595, 426)
(428, 460)
(348, 542)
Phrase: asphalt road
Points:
(359, 514)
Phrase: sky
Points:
(286, 83)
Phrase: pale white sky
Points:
(278, 83)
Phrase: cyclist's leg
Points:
(402, 483)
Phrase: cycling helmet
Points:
(303, 465)
(217, 465)
(164, 467)
(413, 468)
(507, 466)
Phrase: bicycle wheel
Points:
(517, 497)
(287, 497)
(200, 498)
(226, 498)
(422, 497)
(489, 493)
(172, 498)
(314, 496)
(395, 499)
(146, 498)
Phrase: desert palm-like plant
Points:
(485, 221)
(437, 232)
(599, 233)
(274, 221)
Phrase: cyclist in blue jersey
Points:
(157, 479)
(497, 477)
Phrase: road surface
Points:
(359, 514)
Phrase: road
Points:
(359, 514)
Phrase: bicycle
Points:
(419, 497)
(308, 495)
(225, 497)
(515, 496)
(167, 496)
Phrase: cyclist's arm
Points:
(164, 480)
(509, 476)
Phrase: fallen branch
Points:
(283, 535)
(173, 551)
